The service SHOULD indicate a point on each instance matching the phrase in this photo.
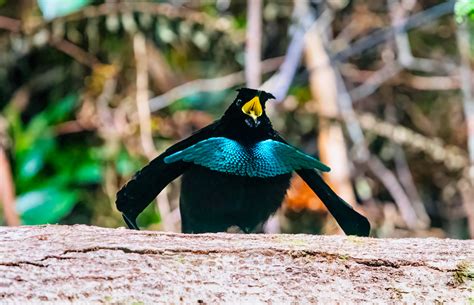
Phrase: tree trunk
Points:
(63, 264)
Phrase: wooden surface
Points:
(83, 264)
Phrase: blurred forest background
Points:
(381, 91)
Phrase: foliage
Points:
(463, 9)
(56, 8)
(47, 172)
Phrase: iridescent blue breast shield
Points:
(267, 158)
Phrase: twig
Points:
(453, 157)
(141, 60)
(10, 24)
(467, 88)
(69, 127)
(144, 116)
(431, 83)
(396, 191)
(7, 191)
(105, 124)
(357, 26)
(160, 71)
(383, 35)
(404, 175)
(362, 154)
(253, 73)
(375, 81)
(280, 82)
(75, 52)
(208, 85)
(406, 179)
(418, 82)
(405, 56)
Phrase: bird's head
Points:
(249, 107)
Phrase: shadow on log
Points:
(86, 264)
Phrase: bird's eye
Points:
(239, 102)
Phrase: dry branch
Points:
(92, 265)
(253, 49)
(7, 190)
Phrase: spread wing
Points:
(350, 220)
(147, 183)
(263, 159)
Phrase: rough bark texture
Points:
(62, 264)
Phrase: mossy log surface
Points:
(84, 264)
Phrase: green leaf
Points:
(36, 129)
(31, 161)
(126, 165)
(88, 173)
(60, 110)
(48, 205)
(463, 9)
(55, 8)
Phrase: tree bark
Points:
(66, 264)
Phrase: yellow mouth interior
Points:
(253, 108)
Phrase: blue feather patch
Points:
(267, 158)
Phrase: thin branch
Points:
(431, 83)
(404, 175)
(7, 191)
(467, 88)
(371, 79)
(253, 73)
(392, 185)
(144, 117)
(208, 85)
(69, 127)
(141, 60)
(382, 35)
(76, 53)
(406, 179)
(10, 24)
(161, 73)
(453, 157)
(404, 54)
(376, 80)
(280, 82)
(362, 154)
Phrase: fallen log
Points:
(74, 264)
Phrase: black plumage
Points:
(234, 172)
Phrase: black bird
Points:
(235, 172)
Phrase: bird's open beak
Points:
(253, 108)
